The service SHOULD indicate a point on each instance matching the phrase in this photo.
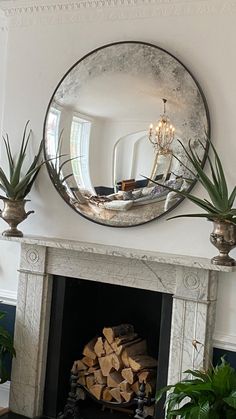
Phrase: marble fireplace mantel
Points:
(191, 280)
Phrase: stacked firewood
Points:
(115, 364)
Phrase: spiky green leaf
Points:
(21, 157)
(9, 155)
(232, 197)
(221, 175)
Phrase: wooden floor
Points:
(4, 410)
(10, 415)
(90, 414)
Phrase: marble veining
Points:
(191, 281)
(145, 255)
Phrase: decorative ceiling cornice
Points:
(3, 21)
(29, 12)
(13, 7)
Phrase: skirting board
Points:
(8, 297)
(4, 394)
(223, 341)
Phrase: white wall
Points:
(8, 274)
(102, 146)
(43, 45)
(3, 52)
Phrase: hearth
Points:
(80, 309)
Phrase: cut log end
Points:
(96, 390)
(99, 347)
(127, 395)
(106, 395)
(128, 375)
(116, 394)
(111, 333)
(141, 362)
(78, 366)
(88, 350)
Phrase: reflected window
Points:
(79, 147)
(52, 131)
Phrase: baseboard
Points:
(4, 395)
(223, 341)
(5, 386)
(8, 297)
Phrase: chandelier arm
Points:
(152, 141)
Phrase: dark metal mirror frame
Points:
(207, 116)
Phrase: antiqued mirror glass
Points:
(114, 120)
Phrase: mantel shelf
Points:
(145, 255)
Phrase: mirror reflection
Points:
(115, 120)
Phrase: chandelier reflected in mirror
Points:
(161, 138)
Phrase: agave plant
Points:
(6, 350)
(219, 202)
(17, 185)
(210, 394)
(56, 166)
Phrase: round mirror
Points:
(113, 127)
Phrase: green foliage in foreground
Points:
(6, 350)
(209, 395)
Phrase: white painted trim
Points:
(18, 9)
(25, 6)
(5, 386)
(223, 341)
(3, 21)
(4, 394)
(8, 297)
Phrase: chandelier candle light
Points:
(164, 133)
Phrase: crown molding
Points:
(3, 21)
(49, 12)
(30, 6)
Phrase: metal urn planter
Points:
(223, 238)
(14, 213)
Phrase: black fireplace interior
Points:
(80, 309)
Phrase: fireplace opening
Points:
(80, 309)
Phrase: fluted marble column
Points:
(31, 333)
(193, 319)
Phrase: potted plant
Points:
(16, 185)
(218, 204)
(6, 350)
(210, 394)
